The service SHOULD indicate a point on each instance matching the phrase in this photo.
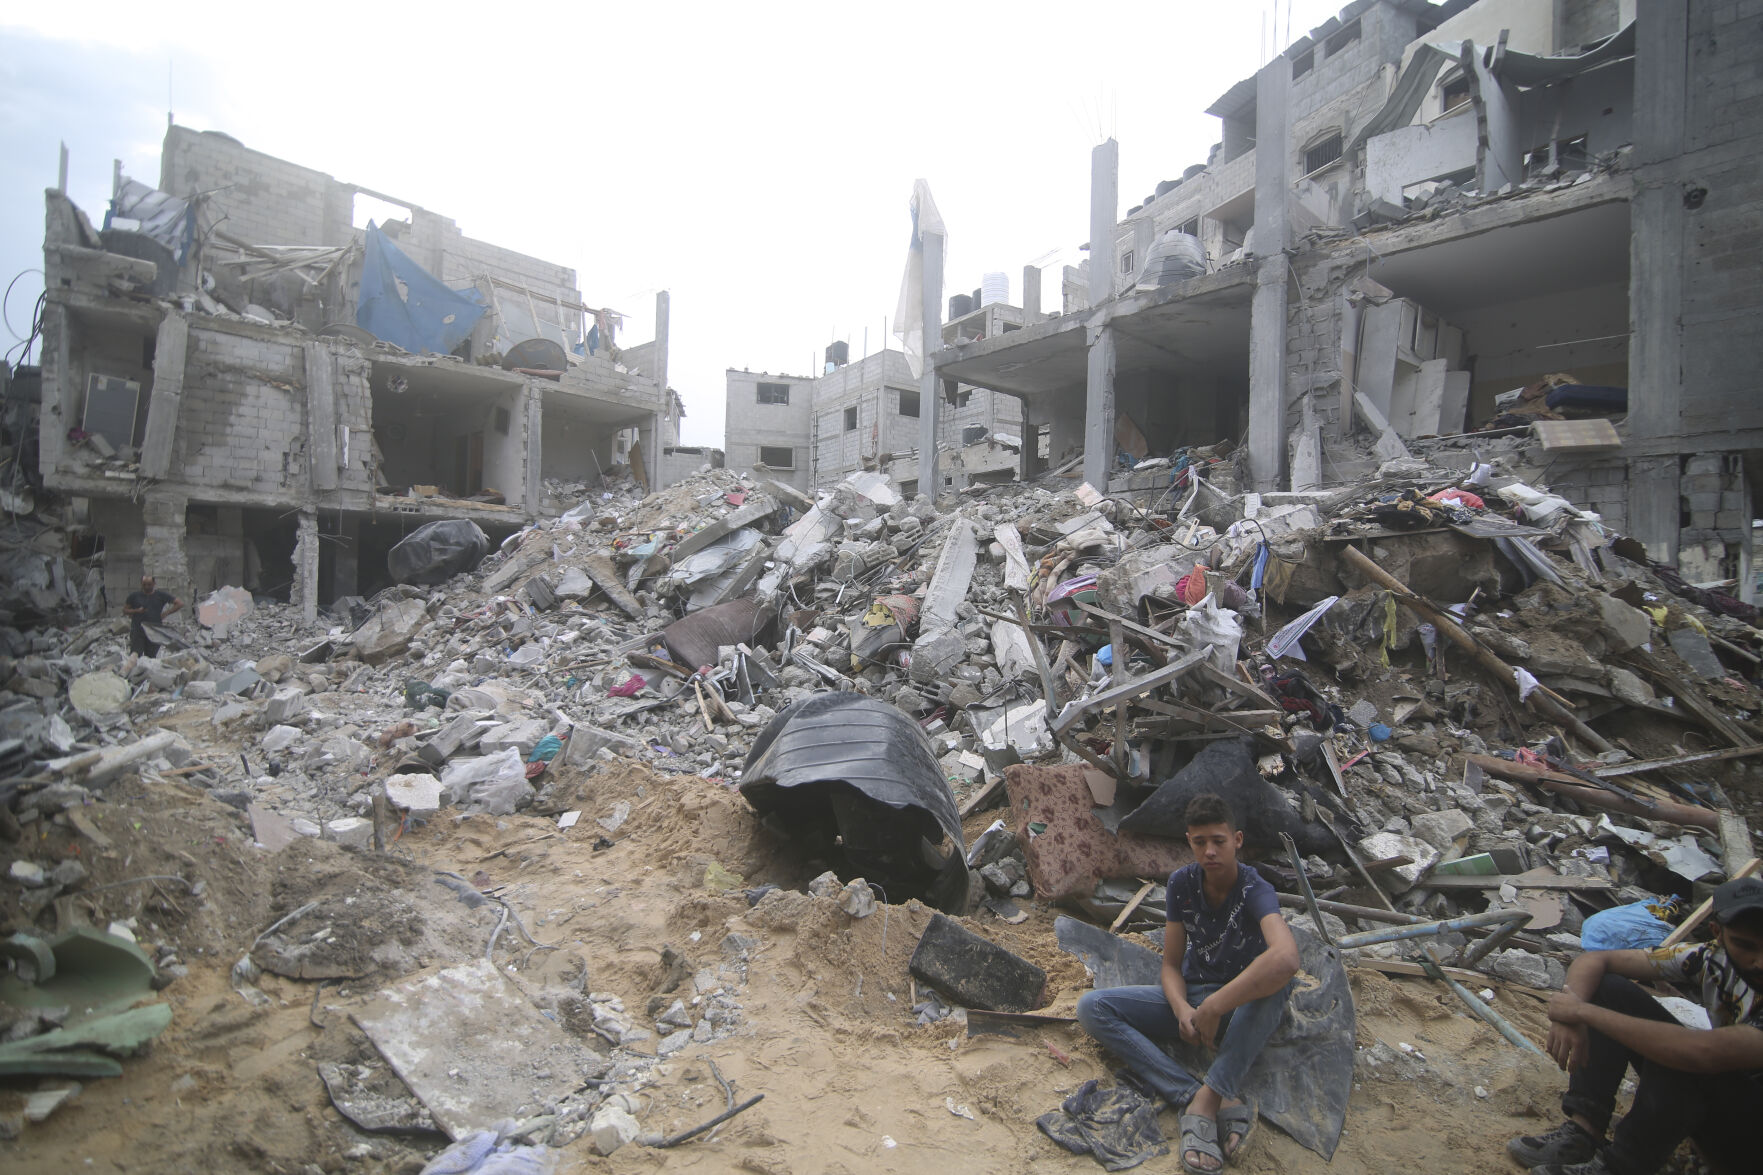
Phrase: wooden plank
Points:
(1691, 695)
(983, 798)
(1700, 915)
(1237, 686)
(1735, 841)
(1121, 693)
(1120, 918)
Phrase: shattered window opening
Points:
(1325, 152)
(769, 393)
(909, 404)
(777, 456)
(851, 418)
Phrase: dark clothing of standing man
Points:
(147, 606)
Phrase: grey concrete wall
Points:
(242, 423)
(262, 199)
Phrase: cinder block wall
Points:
(242, 422)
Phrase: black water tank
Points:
(838, 353)
(960, 305)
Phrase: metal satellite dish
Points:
(536, 355)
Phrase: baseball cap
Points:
(1736, 896)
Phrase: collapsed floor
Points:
(348, 808)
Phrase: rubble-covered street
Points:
(480, 851)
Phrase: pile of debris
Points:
(1453, 712)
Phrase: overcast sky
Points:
(754, 160)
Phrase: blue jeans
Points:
(1131, 1021)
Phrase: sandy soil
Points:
(851, 1083)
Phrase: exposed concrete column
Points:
(1655, 281)
(162, 543)
(663, 313)
(170, 348)
(535, 448)
(1031, 294)
(1099, 336)
(321, 414)
(930, 410)
(649, 437)
(305, 590)
(1499, 151)
(1267, 313)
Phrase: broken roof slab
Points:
(1197, 325)
(1529, 245)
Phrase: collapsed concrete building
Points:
(1470, 198)
(246, 386)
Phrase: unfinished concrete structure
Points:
(865, 415)
(229, 421)
(1467, 197)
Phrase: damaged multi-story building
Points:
(1414, 211)
(812, 431)
(244, 382)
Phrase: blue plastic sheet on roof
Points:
(425, 316)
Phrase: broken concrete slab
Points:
(1383, 846)
(975, 972)
(937, 646)
(1690, 644)
(471, 1019)
(758, 507)
(414, 793)
(605, 576)
(389, 631)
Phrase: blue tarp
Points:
(426, 316)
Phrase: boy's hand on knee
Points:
(1184, 1016)
(1206, 1022)
(1568, 1045)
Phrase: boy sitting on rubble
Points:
(1228, 963)
(1704, 1084)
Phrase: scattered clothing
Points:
(1117, 1126)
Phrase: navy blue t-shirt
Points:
(1222, 940)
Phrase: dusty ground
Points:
(851, 1083)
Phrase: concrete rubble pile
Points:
(1441, 694)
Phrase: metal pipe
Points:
(1492, 942)
(1347, 910)
(1428, 929)
(1304, 882)
(1497, 1022)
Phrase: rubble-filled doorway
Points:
(273, 533)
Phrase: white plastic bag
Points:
(1207, 624)
(491, 783)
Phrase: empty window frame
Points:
(1303, 63)
(1453, 92)
(1190, 226)
(777, 456)
(1126, 261)
(774, 393)
(1322, 152)
(909, 404)
(964, 397)
(851, 418)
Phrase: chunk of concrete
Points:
(223, 608)
(1442, 830)
(417, 794)
(1624, 627)
(523, 734)
(389, 631)
(1698, 654)
(283, 706)
(354, 831)
(1384, 845)
(98, 693)
(975, 972)
(611, 1127)
(280, 738)
(574, 585)
(1628, 687)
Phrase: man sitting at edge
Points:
(1699, 1083)
(1228, 962)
